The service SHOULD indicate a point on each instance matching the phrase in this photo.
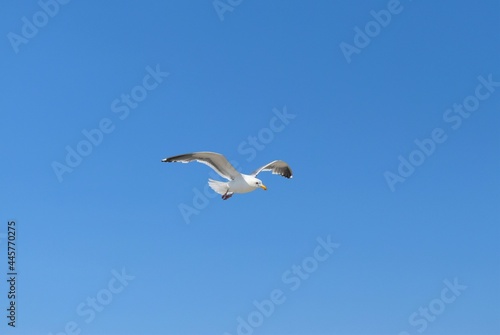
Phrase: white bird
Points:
(238, 182)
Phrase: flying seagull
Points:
(238, 182)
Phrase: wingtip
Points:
(164, 160)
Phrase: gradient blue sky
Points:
(119, 207)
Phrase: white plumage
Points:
(237, 182)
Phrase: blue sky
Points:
(389, 226)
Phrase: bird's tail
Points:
(218, 186)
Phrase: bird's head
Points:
(258, 183)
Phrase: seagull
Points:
(238, 182)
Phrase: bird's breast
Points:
(240, 186)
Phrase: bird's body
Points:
(241, 184)
(237, 182)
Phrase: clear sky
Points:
(386, 111)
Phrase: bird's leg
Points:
(227, 195)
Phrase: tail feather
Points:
(218, 186)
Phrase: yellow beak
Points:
(263, 187)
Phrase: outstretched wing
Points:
(216, 161)
(277, 167)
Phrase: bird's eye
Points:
(256, 183)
